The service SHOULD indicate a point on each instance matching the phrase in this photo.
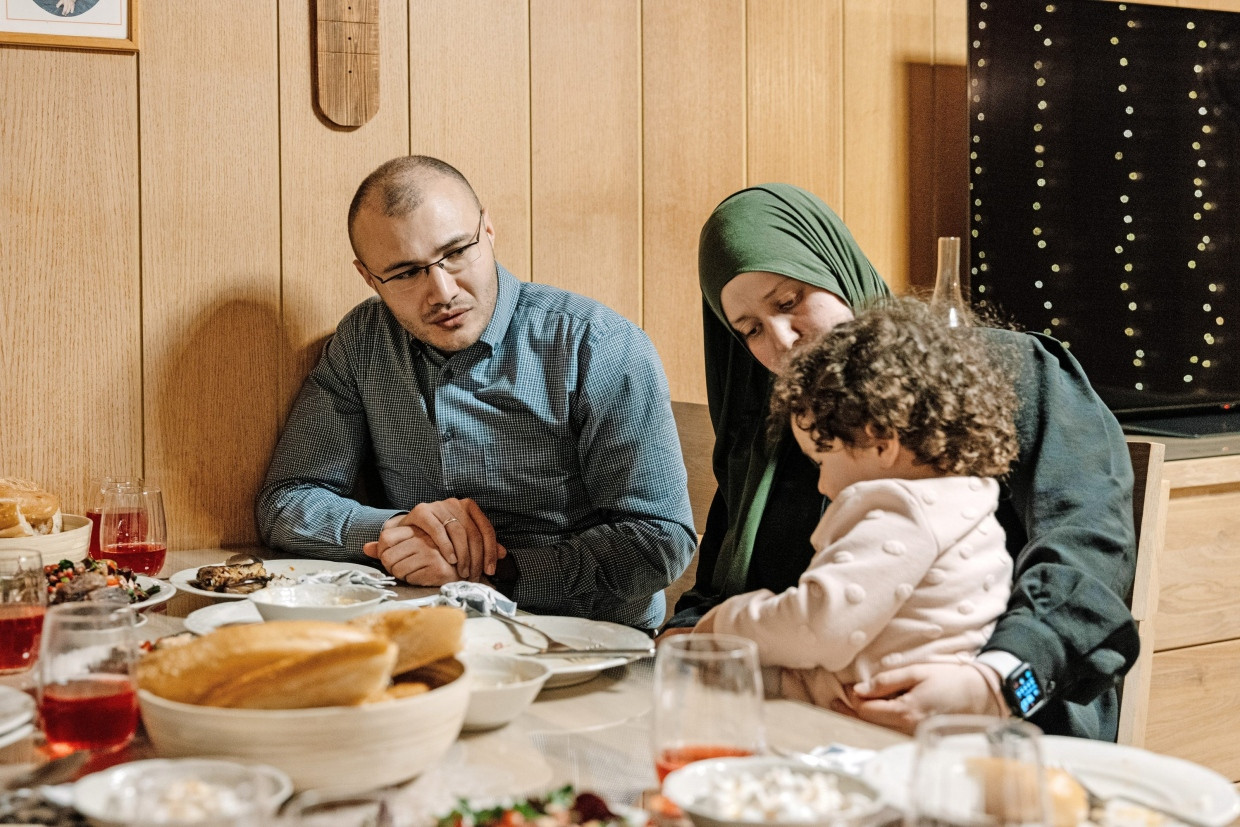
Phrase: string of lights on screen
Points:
(1103, 157)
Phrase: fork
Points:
(1097, 803)
(555, 647)
(552, 645)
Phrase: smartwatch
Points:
(1022, 690)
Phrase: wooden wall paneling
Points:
(469, 104)
(210, 261)
(321, 166)
(70, 327)
(693, 123)
(1193, 700)
(795, 130)
(1198, 601)
(882, 42)
(585, 118)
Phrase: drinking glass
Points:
(23, 599)
(132, 530)
(977, 771)
(101, 489)
(707, 700)
(86, 693)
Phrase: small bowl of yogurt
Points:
(501, 687)
(316, 601)
(770, 790)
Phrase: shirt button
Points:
(448, 434)
(447, 374)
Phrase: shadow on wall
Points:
(211, 417)
(938, 148)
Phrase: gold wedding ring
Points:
(453, 520)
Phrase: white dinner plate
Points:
(486, 634)
(165, 593)
(94, 795)
(1108, 769)
(209, 618)
(16, 709)
(288, 568)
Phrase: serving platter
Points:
(291, 567)
(209, 618)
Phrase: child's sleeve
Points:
(854, 587)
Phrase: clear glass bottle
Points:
(948, 295)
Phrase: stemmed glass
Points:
(977, 770)
(86, 693)
(23, 600)
(132, 529)
(707, 700)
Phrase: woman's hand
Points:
(900, 699)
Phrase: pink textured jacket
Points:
(906, 571)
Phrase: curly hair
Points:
(899, 370)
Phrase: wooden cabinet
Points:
(1194, 706)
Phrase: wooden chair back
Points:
(1150, 496)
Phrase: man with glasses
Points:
(522, 434)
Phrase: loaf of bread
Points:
(264, 657)
(296, 664)
(26, 509)
(422, 636)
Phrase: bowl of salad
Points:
(71, 581)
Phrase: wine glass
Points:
(977, 770)
(86, 694)
(23, 599)
(707, 700)
(132, 529)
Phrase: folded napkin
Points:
(477, 596)
(349, 577)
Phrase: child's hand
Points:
(900, 699)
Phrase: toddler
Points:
(908, 421)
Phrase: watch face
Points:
(1025, 691)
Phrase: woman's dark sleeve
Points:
(1071, 491)
(695, 603)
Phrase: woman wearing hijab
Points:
(777, 265)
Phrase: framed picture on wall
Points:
(71, 24)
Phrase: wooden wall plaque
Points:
(347, 52)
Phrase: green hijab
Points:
(773, 228)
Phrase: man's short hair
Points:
(398, 185)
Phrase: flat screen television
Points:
(1105, 194)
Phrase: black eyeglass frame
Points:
(406, 275)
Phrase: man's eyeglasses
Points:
(454, 262)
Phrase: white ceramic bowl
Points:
(316, 601)
(71, 543)
(694, 788)
(501, 687)
(340, 748)
(121, 793)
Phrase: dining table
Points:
(594, 735)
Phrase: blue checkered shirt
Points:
(557, 422)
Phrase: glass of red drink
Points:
(132, 529)
(707, 700)
(103, 498)
(87, 698)
(23, 600)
